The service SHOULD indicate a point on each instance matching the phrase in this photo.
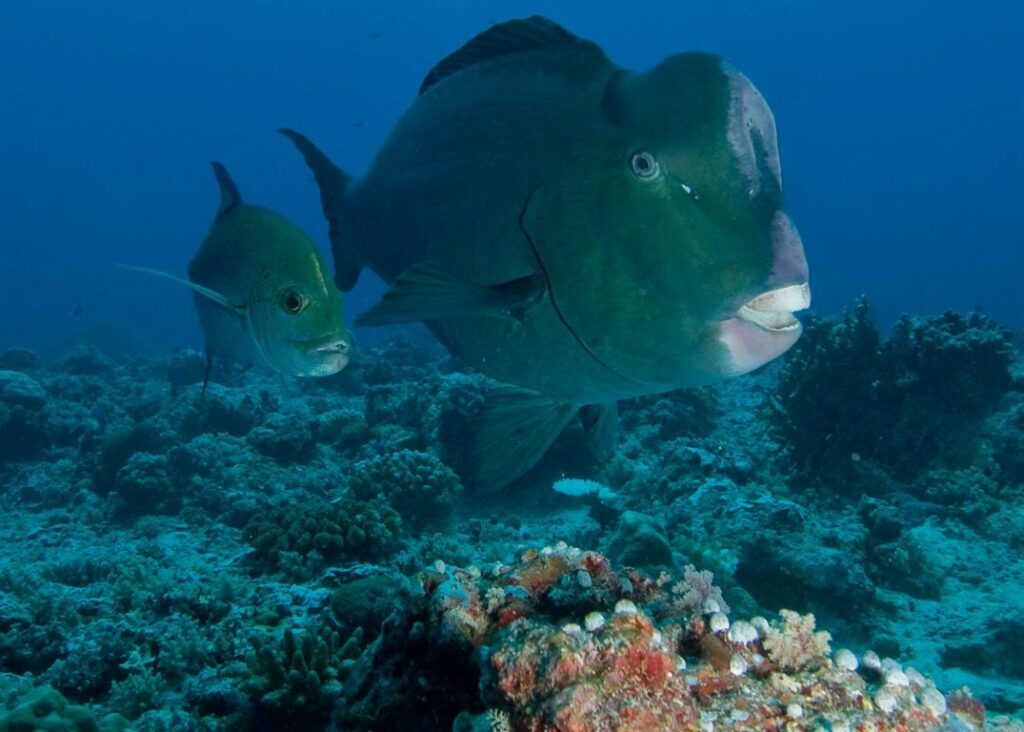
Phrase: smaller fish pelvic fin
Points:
(206, 371)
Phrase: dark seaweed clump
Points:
(910, 402)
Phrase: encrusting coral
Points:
(423, 488)
(628, 651)
(305, 539)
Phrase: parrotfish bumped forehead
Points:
(698, 268)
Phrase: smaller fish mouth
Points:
(773, 310)
(335, 345)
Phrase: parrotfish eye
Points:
(644, 164)
(293, 302)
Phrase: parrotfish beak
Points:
(764, 327)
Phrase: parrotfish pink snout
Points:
(764, 327)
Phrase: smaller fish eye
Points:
(293, 302)
(643, 164)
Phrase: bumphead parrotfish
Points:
(578, 231)
(263, 291)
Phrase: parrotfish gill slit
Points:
(551, 292)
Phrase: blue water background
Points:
(900, 129)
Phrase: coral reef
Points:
(44, 709)
(641, 653)
(301, 554)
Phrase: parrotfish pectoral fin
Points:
(428, 292)
(205, 291)
(333, 184)
(512, 430)
(601, 424)
(229, 195)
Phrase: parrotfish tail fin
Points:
(511, 432)
(601, 425)
(428, 292)
(229, 196)
(333, 183)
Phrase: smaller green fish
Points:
(263, 293)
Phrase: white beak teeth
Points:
(774, 310)
(790, 299)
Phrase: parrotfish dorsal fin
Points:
(229, 196)
(333, 185)
(503, 39)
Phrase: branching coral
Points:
(697, 593)
(828, 391)
(138, 693)
(297, 680)
(143, 485)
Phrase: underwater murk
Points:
(579, 459)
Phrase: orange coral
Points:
(540, 574)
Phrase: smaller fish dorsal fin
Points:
(229, 196)
(503, 39)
